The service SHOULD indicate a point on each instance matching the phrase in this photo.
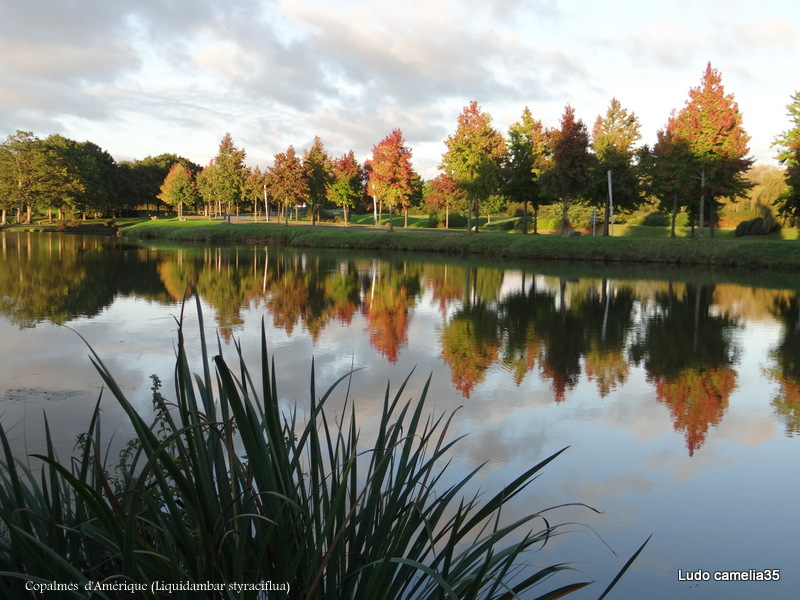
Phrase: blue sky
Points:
(142, 77)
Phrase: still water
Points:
(678, 393)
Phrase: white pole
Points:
(266, 206)
(611, 201)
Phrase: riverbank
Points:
(742, 253)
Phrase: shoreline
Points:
(741, 253)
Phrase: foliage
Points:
(347, 186)
(788, 144)
(319, 171)
(222, 182)
(391, 176)
(287, 181)
(526, 160)
(613, 139)
(474, 158)
(569, 177)
(179, 188)
(710, 128)
(231, 489)
(757, 226)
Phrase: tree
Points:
(33, 175)
(255, 189)
(347, 186)
(442, 193)
(179, 188)
(526, 160)
(788, 144)
(286, 180)
(613, 138)
(224, 178)
(318, 168)
(710, 126)
(391, 174)
(569, 176)
(474, 158)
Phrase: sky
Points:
(145, 77)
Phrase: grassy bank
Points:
(634, 247)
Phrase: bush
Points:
(436, 220)
(757, 226)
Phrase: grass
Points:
(225, 488)
(630, 245)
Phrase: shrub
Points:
(757, 226)
(437, 220)
(230, 489)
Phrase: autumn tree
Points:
(788, 144)
(317, 165)
(442, 193)
(474, 158)
(222, 181)
(255, 186)
(569, 176)
(710, 126)
(391, 176)
(615, 174)
(347, 186)
(526, 160)
(287, 181)
(179, 188)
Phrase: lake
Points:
(677, 392)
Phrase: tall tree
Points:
(255, 190)
(287, 181)
(224, 182)
(613, 139)
(474, 158)
(569, 177)
(788, 144)
(179, 188)
(710, 126)
(319, 171)
(347, 186)
(526, 160)
(391, 175)
(33, 175)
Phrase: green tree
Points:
(33, 176)
(255, 186)
(223, 180)
(319, 171)
(526, 160)
(710, 126)
(613, 139)
(179, 188)
(788, 144)
(391, 178)
(474, 158)
(570, 175)
(347, 186)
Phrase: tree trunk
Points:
(674, 213)
(524, 217)
(3, 217)
(564, 215)
(374, 211)
(712, 214)
(606, 217)
(702, 200)
(447, 216)
(536, 220)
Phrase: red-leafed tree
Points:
(710, 126)
(287, 181)
(570, 174)
(474, 158)
(442, 193)
(391, 179)
(347, 186)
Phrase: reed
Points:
(224, 487)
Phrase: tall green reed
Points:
(224, 487)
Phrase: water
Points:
(678, 393)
